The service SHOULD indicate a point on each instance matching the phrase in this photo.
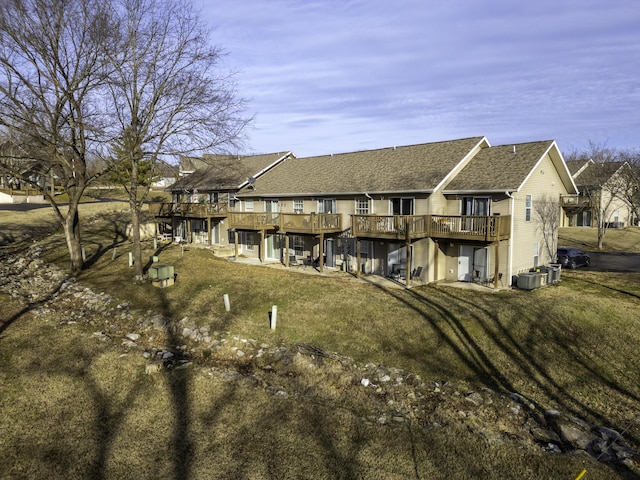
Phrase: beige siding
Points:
(525, 235)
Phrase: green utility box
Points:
(161, 272)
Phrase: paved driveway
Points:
(614, 262)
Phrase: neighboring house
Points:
(22, 179)
(201, 200)
(602, 195)
(188, 165)
(453, 210)
(166, 174)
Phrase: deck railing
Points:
(436, 226)
(569, 201)
(253, 221)
(200, 210)
(386, 226)
(310, 223)
(488, 228)
(390, 227)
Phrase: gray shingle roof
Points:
(225, 172)
(499, 168)
(598, 173)
(574, 166)
(395, 169)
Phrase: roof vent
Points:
(514, 149)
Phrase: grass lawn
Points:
(615, 239)
(74, 407)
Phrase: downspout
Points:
(370, 198)
(510, 256)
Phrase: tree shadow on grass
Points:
(434, 306)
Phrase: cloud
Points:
(358, 74)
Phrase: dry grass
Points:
(615, 239)
(73, 407)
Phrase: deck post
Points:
(407, 276)
(358, 250)
(261, 247)
(496, 271)
(435, 260)
(321, 249)
(235, 242)
(188, 239)
(286, 250)
(209, 231)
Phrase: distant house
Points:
(22, 179)
(602, 195)
(457, 210)
(166, 174)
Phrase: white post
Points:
(227, 304)
(84, 255)
(155, 243)
(130, 259)
(113, 255)
(274, 316)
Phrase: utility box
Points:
(530, 281)
(161, 272)
(555, 269)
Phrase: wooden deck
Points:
(574, 201)
(190, 210)
(413, 227)
(254, 221)
(381, 227)
(312, 223)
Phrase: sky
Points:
(329, 76)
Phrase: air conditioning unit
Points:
(530, 281)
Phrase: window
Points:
(248, 240)
(298, 245)
(362, 206)
(298, 205)
(327, 205)
(401, 206)
(272, 206)
(475, 206)
(248, 205)
(536, 254)
(527, 209)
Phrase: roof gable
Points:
(506, 167)
(227, 172)
(598, 173)
(413, 168)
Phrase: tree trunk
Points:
(71, 227)
(601, 231)
(134, 206)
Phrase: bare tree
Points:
(602, 182)
(630, 176)
(169, 93)
(50, 67)
(547, 217)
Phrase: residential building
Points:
(602, 195)
(442, 211)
